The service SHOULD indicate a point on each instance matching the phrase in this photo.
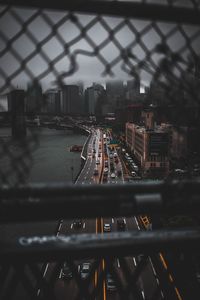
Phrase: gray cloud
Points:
(69, 36)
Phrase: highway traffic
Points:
(103, 166)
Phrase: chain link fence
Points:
(156, 42)
(52, 44)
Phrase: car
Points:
(135, 168)
(97, 162)
(78, 223)
(110, 283)
(121, 225)
(112, 175)
(107, 227)
(93, 156)
(115, 155)
(105, 170)
(66, 272)
(116, 160)
(133, 173)
(85, 270)
(99, 155)
(119, 172)
(96, 172)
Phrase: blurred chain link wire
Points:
(164, 52)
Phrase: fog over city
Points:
(80, 57)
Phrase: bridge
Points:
(102, 241)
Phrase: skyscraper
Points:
(34, 97)
(52, 101)
(70, 100)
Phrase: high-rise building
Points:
(4, 102)
(115, 93)
(34, 98)
(70, 100)
(148, 119)
(52, 101)
(90, 100)
(133, 89)
(16, 106)
(115, 88)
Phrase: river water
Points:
(49, 160)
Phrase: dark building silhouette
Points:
(52, 102)
(34, 98)
(70, 100)
(16, 106)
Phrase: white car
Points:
(112, 175)
(85, 270)
(105, 170)
(133, 173)
(107, 227)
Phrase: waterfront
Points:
(52, 161)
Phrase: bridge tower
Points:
(16, 106)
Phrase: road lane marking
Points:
(60, 225)
(152, 266)
(44, 274)
(124, 221)
(164, 264)
(95, 276)
(103, 266)
(84, 225)
(118, 264)
(113, 221)
(136, 221)
(134, 261)
(143, 294)
(71, 225)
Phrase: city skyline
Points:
(74, 56)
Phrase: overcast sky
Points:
(89, 67)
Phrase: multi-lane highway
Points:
(103, 166)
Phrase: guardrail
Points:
(29, 202)
(168, 250)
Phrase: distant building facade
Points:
(150, 146)
(115, 93)
(90, 100)
(52, 102)
(70, 100)
(16, 106)
(179, 142)
(34, 98)
(133, 89)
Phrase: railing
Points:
(156, 264)
(173, 254)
